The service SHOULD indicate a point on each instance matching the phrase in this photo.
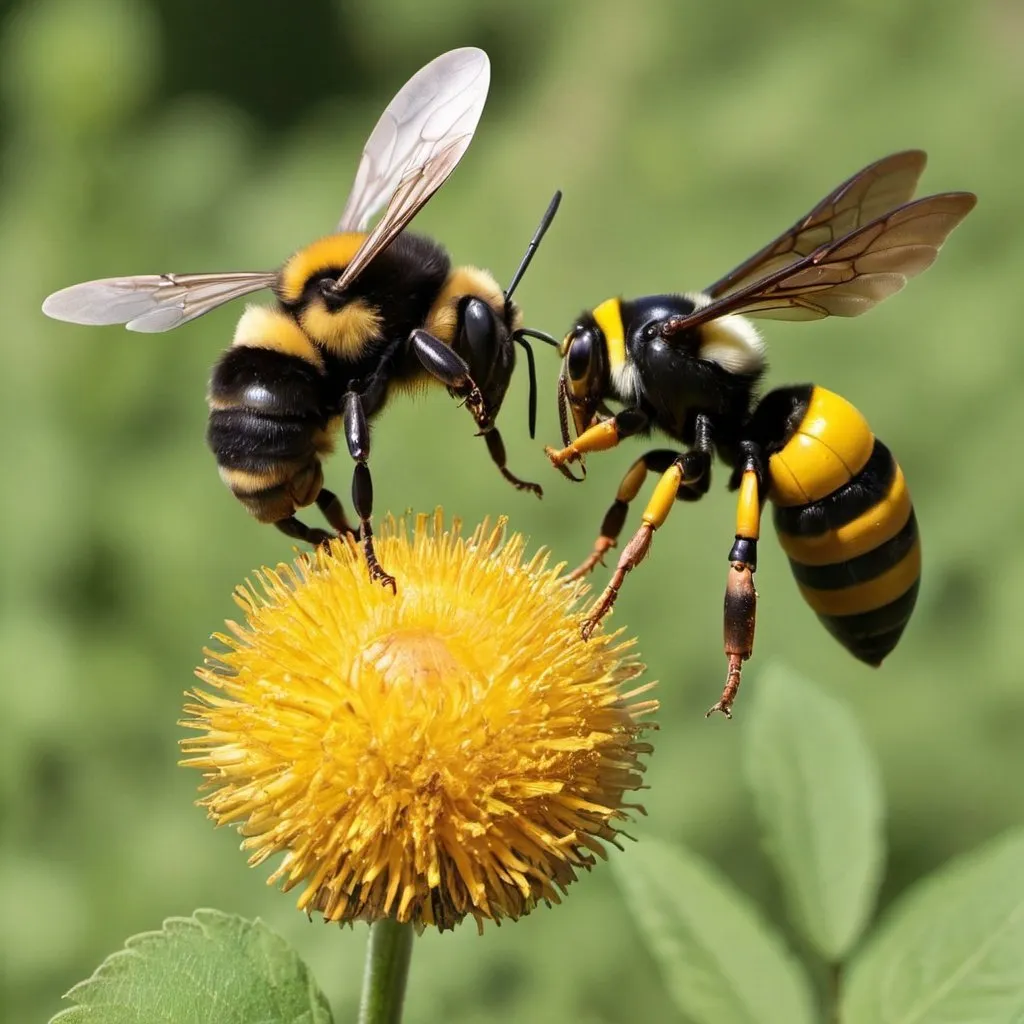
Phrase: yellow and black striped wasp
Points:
(689, 365)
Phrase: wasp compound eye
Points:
(581, 350)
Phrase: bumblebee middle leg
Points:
(656, 461)
(357, 435)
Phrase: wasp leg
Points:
(599, 438)
(740, 595)
(444, 363)
(496, 447)
(357, 434)
(292, 527)
(689, 476)
(657, 461)
(331, 508)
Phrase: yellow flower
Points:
(454, 750)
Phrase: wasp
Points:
(689, 366)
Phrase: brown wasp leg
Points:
(686, 472)
(740, 595)
(657, 461)
(496, 447)
(357, 434)
(444, 363)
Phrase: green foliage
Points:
(819, 804)
(211, 968)
(722, 964)
(952, 950)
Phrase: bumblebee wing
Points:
(868, 195)
(151, 302)
(439, 106)
(847, 277)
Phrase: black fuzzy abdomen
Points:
(267, 428)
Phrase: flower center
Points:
(416, 659)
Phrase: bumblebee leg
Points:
(599, 438)
(444, 363)
(357, 434)
(688, 477)
(496, 447)
(657, 461)
(331, 509)
(740, 595)
(292, 527)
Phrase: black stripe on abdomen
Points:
(864, 600)
(853, 499)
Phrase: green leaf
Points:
(819, 800)
(211, 968)
(952, 950)
(721, 963)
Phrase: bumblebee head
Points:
(583, 383)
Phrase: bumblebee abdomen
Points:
(845, 520)
(267, 425)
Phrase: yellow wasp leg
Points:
(740, 595)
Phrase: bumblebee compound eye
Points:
(580, 355)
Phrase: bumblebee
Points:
(360, 314)
(689, 366)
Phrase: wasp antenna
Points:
(545, 223)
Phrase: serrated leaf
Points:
(952, 950)
(721, 963)
(819, 802)
(211, 968)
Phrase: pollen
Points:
(455, 750)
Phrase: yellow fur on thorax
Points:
(334, 252)
(263, 327)
(442, 319)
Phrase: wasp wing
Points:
(869, 194)
(417, 143)
(151, 302)
(847, 277)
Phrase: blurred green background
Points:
(152, 135)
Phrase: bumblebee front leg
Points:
(657, 461)
(496, 447)
(357, 435)
(444, 363)
(740, 595)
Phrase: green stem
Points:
(387, 967)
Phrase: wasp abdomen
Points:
(267, 429)
(845, 520)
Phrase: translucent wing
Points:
(151, 302)
(869, 194)
(416, 144)
(847, 277)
